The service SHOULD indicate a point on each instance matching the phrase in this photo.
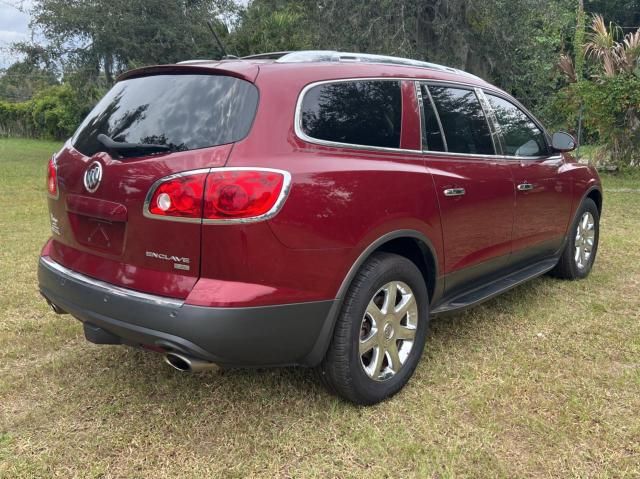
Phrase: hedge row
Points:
(53, 113)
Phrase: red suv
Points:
(307, 208)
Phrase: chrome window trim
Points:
(465, 155)
(513, 100)
(532, 158)
(528, 114)
(435, 112)
(275, 209)
(493, 157)
(109, 288)
(418, 92)
(428, 81)
(489, 114)
(309, 139)
(474, 89)
(503, 95)
(297, 122)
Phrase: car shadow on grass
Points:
(143, 377)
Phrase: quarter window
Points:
(521, 136)
(367, 112)
(465, 126)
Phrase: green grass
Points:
(543, 381)
(626, 180)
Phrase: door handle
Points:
(525, 187)
(454, 192)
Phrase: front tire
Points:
(380, 333)
(582, 244)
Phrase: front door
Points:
(475, 186)
(543, 189)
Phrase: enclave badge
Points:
(179, 262)
(92, 177)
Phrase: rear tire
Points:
(380, 334)
(582, 244)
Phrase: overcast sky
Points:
(14, 27)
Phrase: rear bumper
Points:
(290, 334)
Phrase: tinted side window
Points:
(431, 128)
(357, 112)
(184, 112)
(465, 126)
(520, 134)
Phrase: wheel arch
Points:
(594, 192)
(596, 195)
(411, 244)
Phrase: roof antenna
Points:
(225, 56)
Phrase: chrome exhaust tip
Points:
(55, 308)
(188, 364)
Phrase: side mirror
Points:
(562, 141)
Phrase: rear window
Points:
(367, 112)
(184, 112)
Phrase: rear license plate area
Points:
(97, 233)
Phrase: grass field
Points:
(541, 382)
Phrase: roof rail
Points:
(335, 56)
(266, 56)
(197, 60)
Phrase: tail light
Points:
(243, 194)
(52, 178)
(178, 197)
(219, 195)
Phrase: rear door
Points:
(474, 185)
(543, 187)
(98, 221)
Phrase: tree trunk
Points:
(108, 68)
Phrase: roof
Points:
(325, 64)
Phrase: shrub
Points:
(612, 108)
(54, 112)
(16, 119)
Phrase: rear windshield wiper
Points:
(130, 149)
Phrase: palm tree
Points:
(616, 57)
(627, 53)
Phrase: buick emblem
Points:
(92, 177)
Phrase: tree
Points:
(22, 80)
(615, 57)
(110, 36)
(513, 43)
(612, 96)
(625, 13)
(272, 26)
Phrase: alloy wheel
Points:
(388, 330)
(585, 239)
